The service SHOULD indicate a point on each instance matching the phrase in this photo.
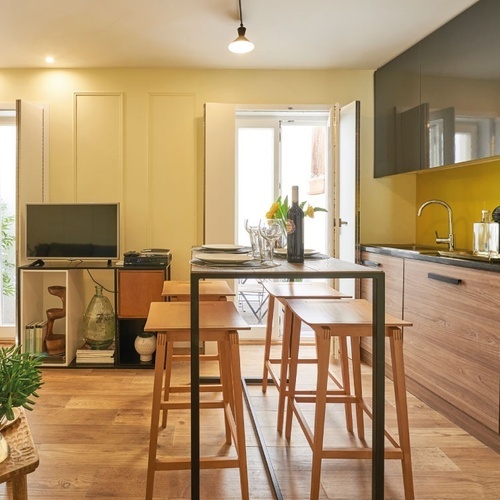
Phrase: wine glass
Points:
(253, 230)
(271, 230)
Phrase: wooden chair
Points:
(219, 321)
(346, 318)
(281, 291)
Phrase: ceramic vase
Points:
(145, 345)
(99, 321)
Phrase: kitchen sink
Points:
(411, 247)
(414, 248)
(438, 252)
(467, 255)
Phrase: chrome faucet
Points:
(450, 239)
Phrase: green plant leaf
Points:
(20, 377)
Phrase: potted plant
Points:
(20, 378)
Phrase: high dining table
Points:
(327, 268)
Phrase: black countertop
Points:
(394, 251)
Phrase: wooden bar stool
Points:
(346, 318)
(282, 291)
(219, 321)
(177, 291)
(180, 291)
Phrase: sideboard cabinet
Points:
(135, 289)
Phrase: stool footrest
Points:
(360, 453)
(335, 399)
(331, 398)
(186, 405)
(203, 357)
(301, 361)
(203, 388)
(184, 463)
(276, 379)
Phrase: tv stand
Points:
(135, 288)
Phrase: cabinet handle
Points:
(370, 263)
(445, 279)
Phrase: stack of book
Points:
(34, 333)
(87, 355)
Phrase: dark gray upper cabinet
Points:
(397, 114)
(438, 103)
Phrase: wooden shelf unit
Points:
(35, 300)
(135, 288)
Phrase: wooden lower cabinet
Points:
(393, 268)
(452, 352)
(137, 288)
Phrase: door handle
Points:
(342, 222)
(370, 263)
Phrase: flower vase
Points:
(99, 321)
(145, 345)
(282, 240)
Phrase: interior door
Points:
(7, 220)
(220, 182)
(347, 190)
(29, 180)
(32, 183)
(31, 172)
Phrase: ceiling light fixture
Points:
(241, 45)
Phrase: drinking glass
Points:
(271, 230)
(252, 228)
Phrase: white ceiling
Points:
(288, 34)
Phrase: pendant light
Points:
(241, 45)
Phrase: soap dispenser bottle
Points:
(486, 236)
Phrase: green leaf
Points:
(20, 378)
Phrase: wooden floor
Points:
(91, 427)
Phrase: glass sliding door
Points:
(304, 163)
(255, 175)
(274, 151)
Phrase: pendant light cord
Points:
(241, 15)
